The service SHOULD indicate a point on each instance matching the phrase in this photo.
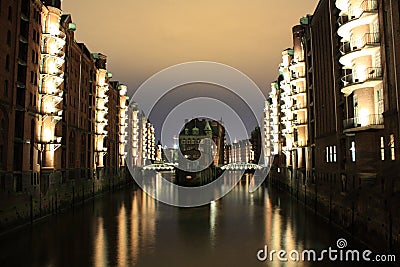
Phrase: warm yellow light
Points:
(100, 128)
(51, 66)
(124, 90)
(49, 107)
(54, 29)
(50, 86)
(47, 135)
(53, 48)
(100, 116)
(364, 117)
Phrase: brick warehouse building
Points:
(351, 54)
(62, 119)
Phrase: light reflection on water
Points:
(129, 228)
(100, 246)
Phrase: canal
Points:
(129, 228)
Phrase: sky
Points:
(143, 37)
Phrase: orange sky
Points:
(141, 37)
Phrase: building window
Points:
(392, 147)
(9, 38)
(355, 103)
(327, 154)
(331, 154)
(10, 14)
(382, 146)
(6, 88)
(8, 63)
(379, 94)
(334, 154)
(353, 151)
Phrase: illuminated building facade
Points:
(123, 124)
(266, 133)
(101, 101)
(241, 152)
(77, 144)
(134, 135)
(62, 121)
(340, 119)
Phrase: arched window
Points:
(10, 14)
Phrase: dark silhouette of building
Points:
(189, 143)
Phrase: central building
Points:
(190, 138)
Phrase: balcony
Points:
(299, 123)
(371, 78)
(367, 45)
(357, 16)
(299, 107)
(341, 4)
(299, 63)
(374, 121)
(297, 76)
(299, 91)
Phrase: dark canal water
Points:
(128, 228)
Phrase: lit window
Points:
(10, 13)
(382, 148)
(334, 154)
(353, 151)
(392, 148)
(331, 154)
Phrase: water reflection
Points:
(129, 228)
(100, 246)
(122, 237)
(134, 242)
(213, 223)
